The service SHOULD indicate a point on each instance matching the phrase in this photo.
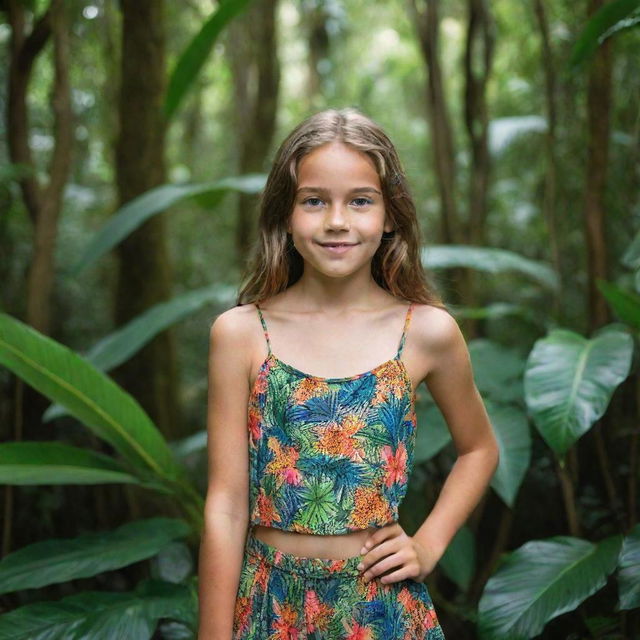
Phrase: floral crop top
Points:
(329, 455)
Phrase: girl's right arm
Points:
(226, 508)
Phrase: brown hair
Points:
(276, 264)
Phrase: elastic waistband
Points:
(305, 566)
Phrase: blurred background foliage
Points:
(136, 138)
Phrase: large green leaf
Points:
(511, 428)
(53, 561)
(569, 381)
(629, 574)
(459, 560)
(120, 345)
(488, 259)
(89, 395)
(197, 52)
(626, 304)
(135, 212)
(608, 19)
(497, 370)
(542, 580)
(29, 463)
(101, 615)
(432, 434)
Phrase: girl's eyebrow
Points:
(356, 190)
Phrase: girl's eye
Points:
(360, 202)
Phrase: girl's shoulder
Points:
(234, 315)
(434, 328)
(235, 325)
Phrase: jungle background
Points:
(136, 138)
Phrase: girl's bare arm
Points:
(450, 382)
(226, 507)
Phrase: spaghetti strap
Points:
(264, 327)
(404, 330)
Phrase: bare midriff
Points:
(310, 545)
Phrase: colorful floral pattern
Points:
(330, 455)
(286, 597)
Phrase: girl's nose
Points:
(336, 217)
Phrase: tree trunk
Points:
(598, 109)
(427, 24)
(551, 173)
(42, 202)
(144, 270)
(478, 60)
(318, 40)
(251, 43)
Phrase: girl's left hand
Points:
(390, 547)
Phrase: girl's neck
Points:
(336, 294)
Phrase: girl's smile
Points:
(337, 248)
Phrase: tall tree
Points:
(427, 23)
(43, 202)
(598, 110)
(318, 42)
(478, 60)
(551, 172)
(251, 44)
(144, 269)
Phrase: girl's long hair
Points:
(275, 263)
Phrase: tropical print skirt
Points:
(287, 597)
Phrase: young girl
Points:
(311, 416)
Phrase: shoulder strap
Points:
(404, 330)
(264, 327)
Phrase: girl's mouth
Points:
(337, 247)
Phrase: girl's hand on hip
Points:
(391, 548)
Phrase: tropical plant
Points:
(141, 456)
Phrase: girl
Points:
(309, 459)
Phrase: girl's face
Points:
(338, 214)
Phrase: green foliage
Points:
(514, 440)
(569, 381)
(490, 260)
(119, 346)
(626, 304)
(135, 212)
(459, 560)
(33, 463)
(432, 435)
(540, 581)
(102, 615)
(89, 395)
(54, 561)
(629, 575)
(113, 415)
(195, 55)
(608, 19)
